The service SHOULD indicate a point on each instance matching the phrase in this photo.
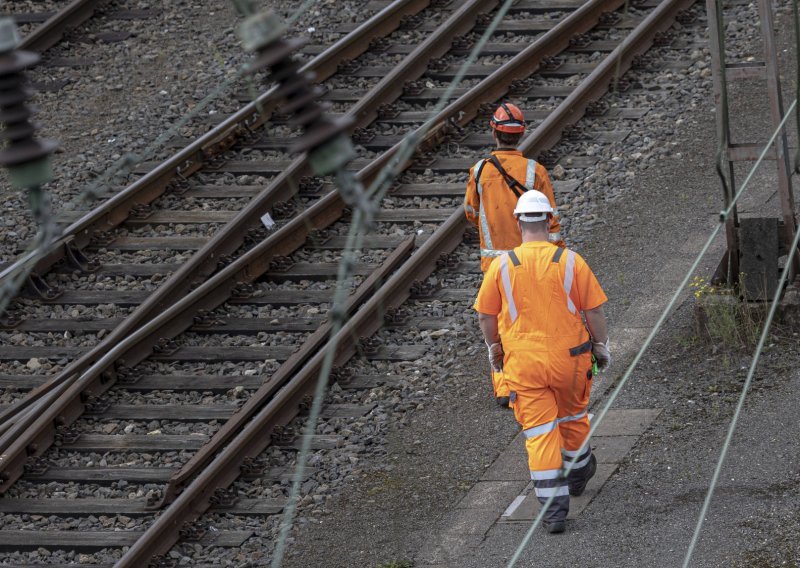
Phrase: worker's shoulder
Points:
(580, 262)
(480, 162)
(494, 266)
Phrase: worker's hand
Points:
(496, 356)
(601, 354)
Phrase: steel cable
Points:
(354, 242)
(39, 201)
(796, 14)
(740, 404)
(765, 332)
(123, 167)
(662, 318)
(724, 127)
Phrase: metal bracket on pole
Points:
(767, 71)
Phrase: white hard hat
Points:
(533, 201)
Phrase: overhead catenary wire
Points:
(740, 404)
(598, 419)
(724, 119)
(796, 18)
(354, 242)
(123, 166)
(764, 333)
(40, 207)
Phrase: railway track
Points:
(43, 27)
(139, 414)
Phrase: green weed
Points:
(723, 318)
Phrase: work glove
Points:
(601, 354)
(496, 356)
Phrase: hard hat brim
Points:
(510, 128)
(532, 218)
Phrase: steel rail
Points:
(365, 111)
(53, 29)
(44, 401)
(193, 500)
(255, 436)
(230, 237)
(36, 430)
(572, 109)
(237, 127)
(201, 489)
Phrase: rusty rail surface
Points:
(23, 414)
(35, 431)
(224, 469)
(53, 29)
(230, 237)
(283, 406)
(572, 109)
(238, 126)
(253, 436)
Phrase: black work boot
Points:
(502, 401)
(554, 527)
(578, 479)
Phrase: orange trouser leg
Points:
(499, 384)
(537, 412)
(572, 387)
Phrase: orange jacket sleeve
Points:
(542, 183)
(472, 200)
(489, 300)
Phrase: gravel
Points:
(162, 70)
(394, 506)
(388, 465)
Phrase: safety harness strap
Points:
(480, 170)
(514, 258)
(513, 184)
(557, 255)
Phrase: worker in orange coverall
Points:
(529, 308)
(494, 186)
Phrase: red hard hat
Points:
(508, 118)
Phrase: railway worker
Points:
(494, 185)
(529, 308)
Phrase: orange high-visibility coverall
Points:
(489, 204)
(538, 291)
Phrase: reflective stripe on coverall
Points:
(489, 202)
(538, 291)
